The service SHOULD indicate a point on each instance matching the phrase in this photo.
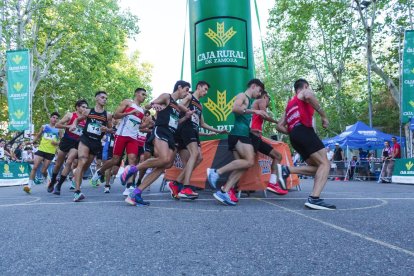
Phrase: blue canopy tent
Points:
(362, 136)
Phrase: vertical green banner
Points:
(18, 89)
(221, 54)
(408, 77)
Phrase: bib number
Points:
(78, 131)
(195, 119)
(49, 136)
(173, 122)
(94, 129)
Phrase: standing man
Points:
(396, 148)
(262, 103)
(131, 114)
(188, 140)
(240, 142)
(98, 121)
(162, 138)
(68, 146)
(49, 136)
(297, 122)
(339, 161)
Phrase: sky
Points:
(160, 41)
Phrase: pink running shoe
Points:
(275, 188)
(232, 194)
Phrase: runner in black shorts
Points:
(148, 148)
(297, 122)
(68, 146)
(98, 121)
(188, 140)
(162, 138)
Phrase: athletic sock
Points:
(77, 192)
(138, 182)
(221, 189)
(54, 176)
(128, 185)
(272, 179)
(137, 191)
(61, 180)
(314, 197)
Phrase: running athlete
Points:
(68, 146)
(297, 122)
(49, 136)
(127, 136)
(107, 155)
(255, 134)
(187, 137)
(98, 121)
(162, 137)
(240, 142)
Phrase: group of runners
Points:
(151, 143)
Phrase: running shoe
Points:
(72, 185)
(56, 191)
(112, 180)
(127, 173)
(319, 204)
(212, 177)
(27, 189)
(232, 195)
(107, 190)
(95, 179)
(187, 193)
(275, 188)
(50, 187)
(38, 181)
(224, 198)
(130, 199)
(174, 189)
(46, 180)
(78, 197)
(140, 201)
(282, 174)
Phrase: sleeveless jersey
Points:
(49, 134)
(298, 111)
(242, 122)
(74, 135)
(94, 122)
(194, 121)
(129, 125)
(168, 117)
(257, 123)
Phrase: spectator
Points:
(9, 153)
(396, 148)
(339, 161)
(18, 152)
(388, 164)
(27, 155)
(364, 164)
(2, 144)
(352, 166)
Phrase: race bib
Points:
(49, 136)
(173, 122)
(111, 144)
(94, 128)
(78, 131)
(195, 119)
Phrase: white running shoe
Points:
(127, 191)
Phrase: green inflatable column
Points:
(222, 55)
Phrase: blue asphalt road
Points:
(370, 234)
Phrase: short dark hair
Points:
(147, 112)
(139, 89)
(182, 84)
(299, 84)
(55, 114)
(257, 82)
(393, 137)
(264, 93)
(201, 83)
(100, 92)
(81, 102)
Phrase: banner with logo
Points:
(408, 77)
(222, 55)
(403, 171)
(14, 173)
(18, 89)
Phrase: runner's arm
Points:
(63, 122)
(80, 118)
(281, 125)
(261, 105)
(38, 135)
(208, 127)
(119, 112)
(311, 99)
(163, 99)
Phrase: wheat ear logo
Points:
(222, 109)
(411, 103)
(17, 59)
(220, 38)
(6, 168)
(18, 86)
(409, 165)
(18, 113)
(21, 168)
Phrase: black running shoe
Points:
(56, 191)
(319, 204)
(50, 187)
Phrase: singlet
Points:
(257, 123)
(195, 119)
(74, 135)
(168, 117)
(298, 111)
(49, 134)
(242, 122)
(129, 125)
(110, 140)
(94, 122)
